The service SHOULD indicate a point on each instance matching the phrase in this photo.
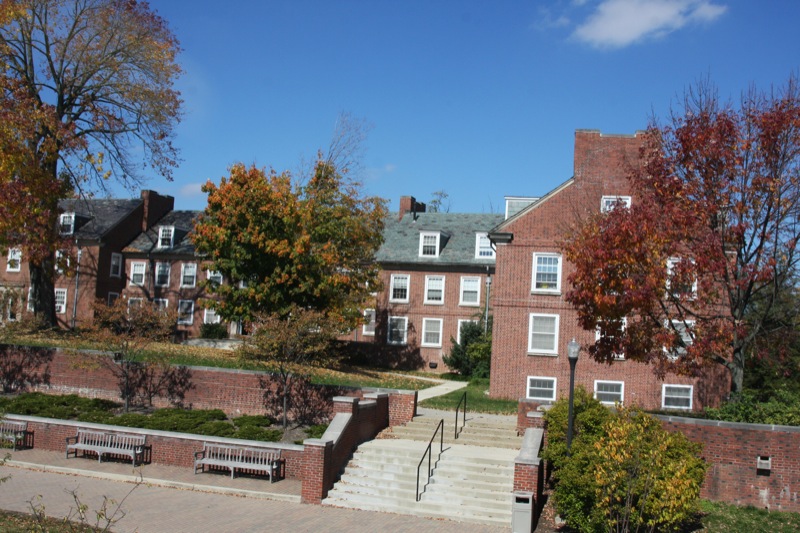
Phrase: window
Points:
(14, 260)
(546, 273)
(543, 334)
(112, 298)
(116, 265)
(185, 312)
(210, 316)
(10, 304)
(162, 274)
(607, 203)
(600, 333)
(30, 300)
(188, 274)
(398, 291)
(134, 303)
(397, 330)
(61, 301)
(461, 323)
(62, 262)
(542, 389)
(681, 282)
(214, 277)
(470, 291)
(432, 332)
(66, 223)
(483, 246)
(609, 392)
(165, 236)
(137, 273)
(429, 244)
(369, 323)
(683, 330)
(676, 396)
(434, 290)
(160, 304)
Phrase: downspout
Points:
(77, 281)
(486, 312)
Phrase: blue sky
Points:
(480, 99)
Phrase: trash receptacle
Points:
(522, 512)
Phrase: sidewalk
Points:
(440, 390)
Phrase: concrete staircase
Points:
(480, 430)
(471, 483)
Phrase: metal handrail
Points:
(464, 421)
(429, 453)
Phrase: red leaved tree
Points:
(687, 275)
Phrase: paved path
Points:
(441, 389)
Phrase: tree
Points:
(440, 202)
(472, 356)
(282, 246)
(286, 344)
(90, 86)
(687, 276)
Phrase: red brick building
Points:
(533, 323)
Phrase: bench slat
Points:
(266, 460)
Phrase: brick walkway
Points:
(172, 499)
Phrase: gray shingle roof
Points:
(95, 216)
(182, 221)
(401, 238)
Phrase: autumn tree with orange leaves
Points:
(280, 245)
(688, 275)
(87, 95)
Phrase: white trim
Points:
(134, 302)
(118, 264)
(607, 382)
(61, 308)
(68, 220)
(214, 276)
(437, 243)
(404, 340)
(14, 256)
(543, 351)
(159, 266)
(143, 273)
(62, 257)
(216, 317)
(428, 280)
(166, 236)
(184, 320)
(545, 288)
(482, 237)
(477, 281)
(368, 328)
(664, 396)
(684, 328)
(425, 331)
(607, 203)
(552, 398)
(392, 288)
(184, 268)
(160, 304)
(671, 262)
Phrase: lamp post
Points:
(573, 348)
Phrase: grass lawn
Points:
(477, 400)
(720, 517)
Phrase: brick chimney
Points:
(155, 207)
(409, 204)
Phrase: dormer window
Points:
(483, 246)
(165, 236)
(429, 244)
(66, 223)
(609, 203)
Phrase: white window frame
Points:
(134, 302)
(14, 256)
(143, 273)
(608, 203)
(463, 290)
(664, 396)
(30, 303)
(428, 282)
(61, 294)
(684, 327)
(116, 265)
(426, 323)
(368, 328)
(404, 340)
(61, 254)
(543, 351)
(214, 276)
(394, 279)
(598, 334)
(608, 382)
(528, 387)
(184, 268)
(215, 318)
(66, 223)
(671, 262)
(182, 319)
(159, 266)
(112, 298)
(166, 236)
(483, 246)
(546, 290)
(437, 243)
(160, 304)
(461, 322)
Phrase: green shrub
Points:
(66, 407)
(251, 432)
(214, 331)
(472, 356)
(316, 431)
(782, 409)
(252, 420)
(216, 428)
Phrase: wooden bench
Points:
(14, 431)
(231, 456)
(107, 443)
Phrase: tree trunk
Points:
(43, 293)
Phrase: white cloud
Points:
(619, 23)
(191, 189)
(376, 173)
